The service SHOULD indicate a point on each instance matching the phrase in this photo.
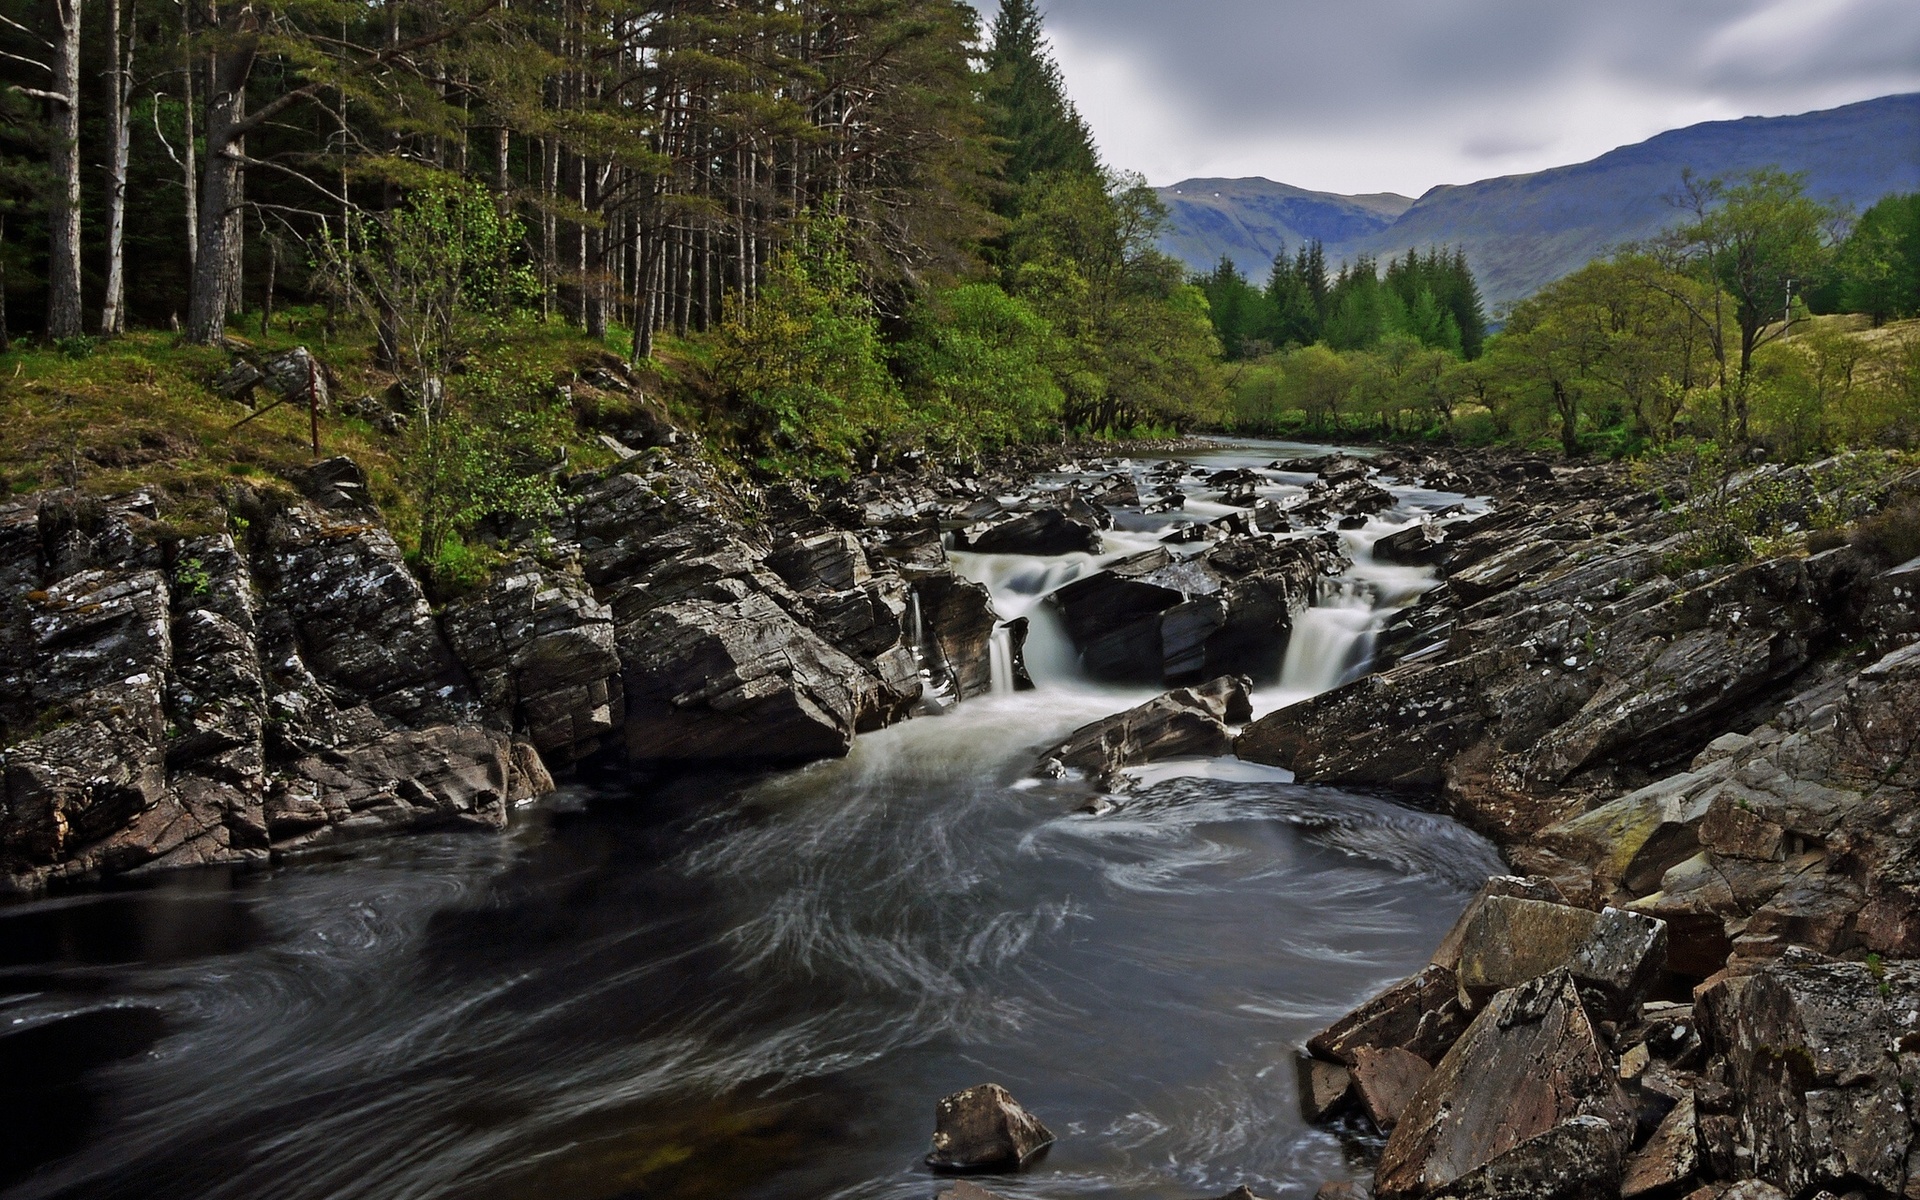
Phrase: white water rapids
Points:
(740, 986)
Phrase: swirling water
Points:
(736, 986)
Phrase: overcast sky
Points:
(1400, 95)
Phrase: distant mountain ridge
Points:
(1522, 232)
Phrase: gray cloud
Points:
(1373, 95)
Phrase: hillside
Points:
(1251, 219)
(1523, 231)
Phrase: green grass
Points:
(140, 410)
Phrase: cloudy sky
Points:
(1400, 95)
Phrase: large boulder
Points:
(1421, 1014)
(1559, 691)
(1614, 956)
(735, 681)
(984, 1129)
(364, 625)
(442, 777)
(956, 624)
(1529, 1065)
(100, 646)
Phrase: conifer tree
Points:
(1037, 126)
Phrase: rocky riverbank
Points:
(1698, 988)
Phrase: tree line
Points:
(1431, 298)
(1710, 332)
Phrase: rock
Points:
(1529, 1064)
(653, 508)
(958, 621)
(1578, 1159)
(1417, 545)
(1345, 1189)
(1153, 618)
(828, 562)
(333, 483)
(296, 377)
(1890, 608)
(1553, 690)
(739, 681)
(540, 648)
(1046, 532)
(1325, 1088)
(1614, 955)
(363, 622)
(1670, 1157)
(1524, 887)
(1421, 1013)
(1629, 843)
(1386, 1080)
(1817, 1057)
(442, 777)
(1185, 721)
(1243, 1192)
(984, 1128)
(1504, 570)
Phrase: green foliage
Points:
(804, 367)
(1137, 343)
(1734, 513)
(437, 277)
(978, 368)
(1877, 267)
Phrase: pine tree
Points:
(1035, 124)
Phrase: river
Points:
(757, 986)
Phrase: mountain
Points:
(1251, 218)
(1524, 231)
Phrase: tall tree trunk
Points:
(63, 240)
(6, 339)
(188, 167)
(213, 275)
(113, 311)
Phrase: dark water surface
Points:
(710, 987)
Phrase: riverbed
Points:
(706, 985)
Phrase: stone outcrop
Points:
(1709, 777)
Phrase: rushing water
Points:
(753, 987)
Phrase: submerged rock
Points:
(984, 1129)
(1185, 721)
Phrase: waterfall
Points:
(1332, 640)
(1000, 654)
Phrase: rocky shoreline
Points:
(1695, 983)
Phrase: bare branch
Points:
(32, 62)
(37, 94)
(30, 33)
